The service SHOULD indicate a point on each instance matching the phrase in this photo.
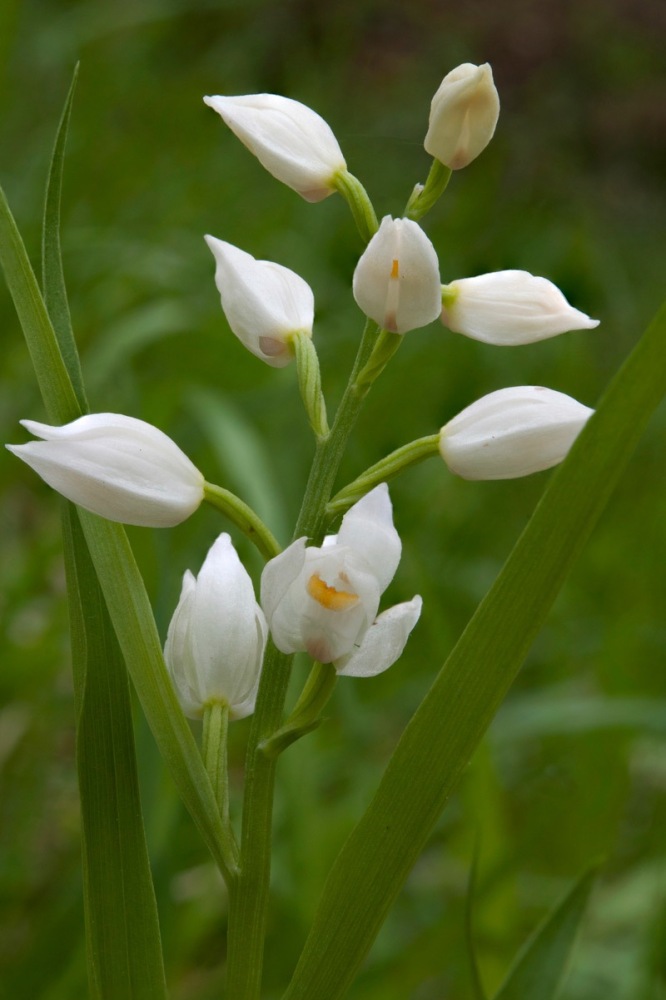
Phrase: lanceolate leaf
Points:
(114, 563)
(122, 928)
(124, 951)
(443, 733)
(541, 965)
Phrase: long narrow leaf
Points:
(443, 733)
(124, 952)
(122, 929)
(53, 278)
(541, 964)
(118, 574)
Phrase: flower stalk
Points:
(242, 515)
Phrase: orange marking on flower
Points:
(329, 597)
(395, 269)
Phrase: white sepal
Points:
(324, 600)
(119, 467)
(396, 281)
(463, 115)
(512, 432)
(509, 308)
(289, 139)
(217, 636)
(265, 303)
(384, 641)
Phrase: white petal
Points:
(367, 528)
(289, 139)
(279, 574)
(509, 308)
(177, 652)
(512, 432)
(384, 641)
(117, 466)
(396, 281)
(265, 303)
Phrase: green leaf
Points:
(53, 278)
(541, 964)
(117, 572)
(123, 951)
(122, 929)
(443, 733)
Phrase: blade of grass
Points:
(443, 733)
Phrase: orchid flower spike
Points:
(509, 308)
(217, 636)
(116, 466)
(325, 600)
(512, 432)
(463, 115)
(289, 139)
(396, 281)
(265, 303)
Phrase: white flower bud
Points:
(290, 140)
(396, 281)
(265, 303)
(325, 600)
(509, 308)
(217, 636)
(512, 432)
(116, 466)
(463, 115)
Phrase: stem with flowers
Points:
(227, 655)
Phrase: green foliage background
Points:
(575, 764)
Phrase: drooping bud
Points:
(289, 139)
(512, 432)
(217, 636)
(509, 308)
(116, 466)
(463, 115)
(265, 303)
(396, 281)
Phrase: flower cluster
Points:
(324, 600)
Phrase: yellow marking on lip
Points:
(329, 597)
(395, 269)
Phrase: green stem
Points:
(306, 714)
(361, 207)
(388, 467)
(309, 382)
(423, 197)
(249, 893)
(244, 518)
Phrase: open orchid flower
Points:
(325, 600)
(217, 636)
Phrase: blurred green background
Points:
(574, 767)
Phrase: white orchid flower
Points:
(512, 432)
(265, 303)
(396, 281)
(509, 308)
(463, 115)
(217, 636)
(325, 600)
(289, 139)
(119, 467)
